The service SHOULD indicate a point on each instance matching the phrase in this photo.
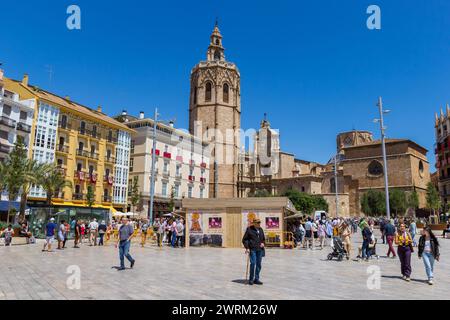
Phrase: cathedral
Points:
(215, 116)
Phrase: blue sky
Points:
(313, 66)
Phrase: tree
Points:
(413, 200)
(14, 175)
(373, 203)
(260, 193)
(52, 181)
(33, 170)
(305, 202)
(135, 196)
(90, 196)
(433, 201)
(397, 201)
(172, 199)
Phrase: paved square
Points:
(209, 273)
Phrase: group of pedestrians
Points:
(170, 231)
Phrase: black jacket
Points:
(253, 238)
(434, 247)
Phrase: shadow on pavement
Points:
(400, 278)
(240, 281)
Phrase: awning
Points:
(4, 205)
(71, 204)
(295, 216)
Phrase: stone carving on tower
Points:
(215, 115)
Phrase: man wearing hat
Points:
(49, 234)
(253, 242)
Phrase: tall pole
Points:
(152, 177)
(383, 147)
(336, 185)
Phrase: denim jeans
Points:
(124, 248)
(100, 242)
(174, 239)
(255, 264)
(428, 261)
(365, 248)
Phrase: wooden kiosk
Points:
(222, 222)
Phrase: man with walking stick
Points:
(253, 242)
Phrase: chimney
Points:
(124, 112)
(141, 115)
(171, 123)
(25, 80)
(99, 109)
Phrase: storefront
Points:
(222, 222)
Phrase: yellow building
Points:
(91, 148)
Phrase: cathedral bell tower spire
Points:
(215, 49)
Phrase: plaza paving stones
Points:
(210, 273)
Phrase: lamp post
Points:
(336, 159)
(383, 148)
(152, 177)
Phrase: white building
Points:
(182, 164)
(16, 119)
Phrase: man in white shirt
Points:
(93, 230)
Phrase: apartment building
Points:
(16, 118)
(182, 164)
(90, 148)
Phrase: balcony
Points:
(108, 179)
(111, 139)
(93, 155)
(191, 178)
(202, 180)
(87, 154)
(93, 177)
(80, 175)
(157, 152)
(178, 176)
(167, 155)
(166, 173)
(84, 132)
(5, 148)
(203, 165)
(179, 158)
(7, 122)
(95, 135)
(63, 148)
(107, 199)
(110, 159)
(78, 196)
(23, 127)
(61, 170)
(64, 125)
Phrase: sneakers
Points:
(120, 269)
(258, 282)
(430, 282)
(404, 277)
(132, 264)
(408, 279)
(250, 282)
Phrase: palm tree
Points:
(34, 170)
(52, 181)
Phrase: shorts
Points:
(49, 240)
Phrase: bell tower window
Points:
(208, 91)
(216, 55)
(226, 90)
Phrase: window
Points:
(164, 188)
(6, 110)
(107, 172)
(23, 115)
(91, 169)
(80, 145)
(226, 90)
(79, 166)
(421, 167)
(190, 192)
(131, 164)
(195, 95)
(166, 148)
(166, 167)
(217, 55)
(132, 146)
(77, 189)
(94, 131)
(191, 171)
(4, 135)
(332, 186)
(82, 127)
(176, 190)
(201, 193)
(375, 168)
(177, 171)
(63, 121)
(208, 91)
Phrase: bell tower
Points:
(215, 115)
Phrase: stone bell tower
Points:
(215, 115)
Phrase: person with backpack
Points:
(428, 250)
(101, 232)
(367, 240)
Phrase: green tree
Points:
(397, 201)
(90, 196)
(373, 203)
(305, 202)
(172, 199)
(433, 200)
(413, 200)
(135, 196)
(52, 181)
(14, 175)
(320, 203)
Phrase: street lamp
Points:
(336, 159)
(383, 147)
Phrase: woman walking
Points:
(428, 251)
(404, 242)
(321, 233)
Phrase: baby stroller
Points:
(338, 250)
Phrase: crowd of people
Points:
(316, 233)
